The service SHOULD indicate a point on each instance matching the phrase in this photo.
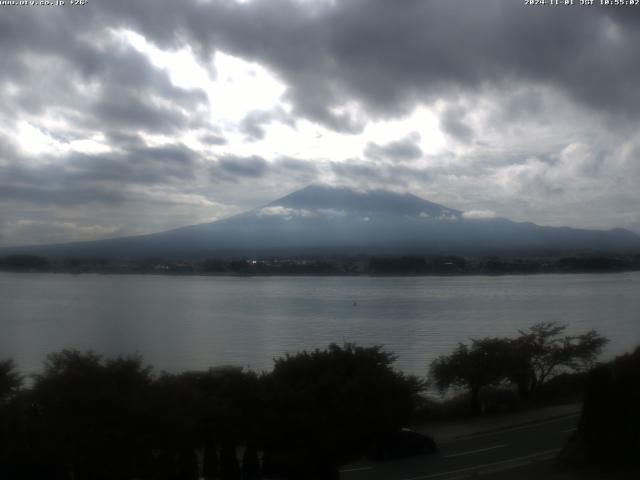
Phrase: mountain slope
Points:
(328, 220)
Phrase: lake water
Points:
(188, 322)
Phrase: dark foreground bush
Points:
(331, 404)
(91, 418)
(609, 428)
(566, 387)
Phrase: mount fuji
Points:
(323, 220)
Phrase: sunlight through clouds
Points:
(236, 103)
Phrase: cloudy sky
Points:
(127, 117)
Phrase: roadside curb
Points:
(489, 430)
(479, 471)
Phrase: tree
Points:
(250, 463)
(92, 413)
(229, 466)
(212, 409)
(527, 361)
(10, 436)
(326, 406)
(542, 352)
(474, 367)
(10, 380)
(227, 403)
(610, 419)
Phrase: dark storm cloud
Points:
(8, 151)
(252, 125)
(64, 197)
(363, 173)
(158, 165)
(524, 105)
(131, 90)
(452, 122)
(72, 179)
(232, 166)
(150, 165)
(370, 51)
(63, 61)
(213, 139)
(124, 139)
(356, 170)
(293, 169)
(55, 32)
(130, 111)
(405, 149)
(386, 57)
(296, 165)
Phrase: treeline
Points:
(358, 265)
(89, 417)
(446, 265)
(522, 366)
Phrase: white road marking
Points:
(569, 430)
(476, 451)
(354, 469)
(476, 468)
(510, 429)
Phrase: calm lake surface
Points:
(181, 322)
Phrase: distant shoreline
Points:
(400, 266)
(301, 274)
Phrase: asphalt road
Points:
(478, 454)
